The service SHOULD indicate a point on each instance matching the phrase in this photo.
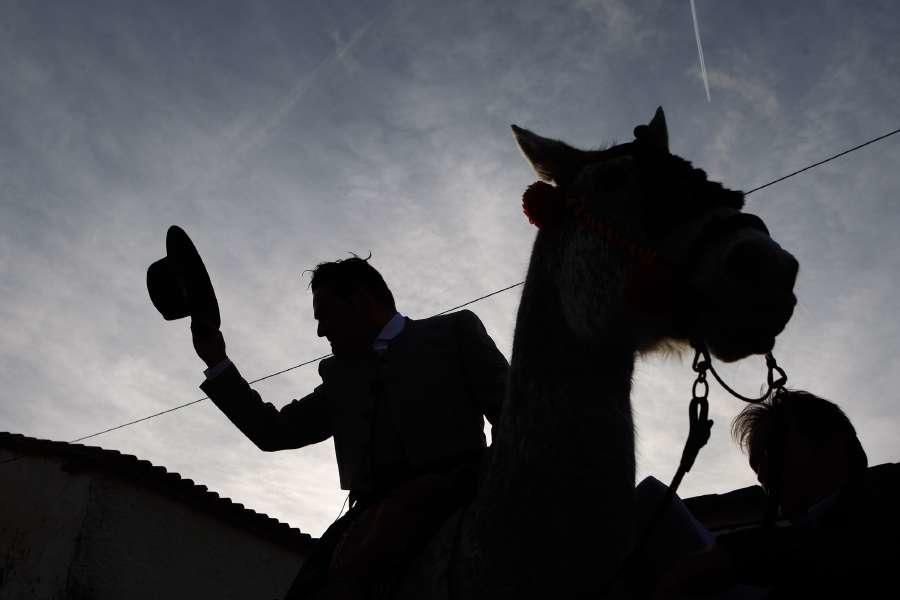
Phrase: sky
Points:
(283, 134)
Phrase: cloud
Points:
(751, 92)
(622, 24)
(118, 120)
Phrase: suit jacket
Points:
(418, 404)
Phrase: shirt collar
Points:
(392, 329)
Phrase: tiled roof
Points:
(717, 512)
(80, 458)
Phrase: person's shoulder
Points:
(327, 366)
(879, 494)
(461, 318)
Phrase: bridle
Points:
(683, 250)
(698, 237)
(684, 247)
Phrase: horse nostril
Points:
(763, 262)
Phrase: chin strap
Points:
(776, 378)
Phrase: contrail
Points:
(700, 51)
(303, 85)
(260, 134)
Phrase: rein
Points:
(698, 413)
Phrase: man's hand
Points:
(208, 342)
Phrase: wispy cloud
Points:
(302, 86)
(258, 135)
(398, 142)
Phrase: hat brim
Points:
(201, 297)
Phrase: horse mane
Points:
(683, 190)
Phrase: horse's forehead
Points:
(615, 171)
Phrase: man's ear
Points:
(655, 134)
(552, 160)
(364, 302)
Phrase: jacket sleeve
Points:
(301, 423)
(484, 365)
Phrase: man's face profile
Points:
(345, 321)
(811, 471)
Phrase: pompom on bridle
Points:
(542, 204)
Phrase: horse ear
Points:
(552, 160)
(655, 134)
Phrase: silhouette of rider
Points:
(404, 401)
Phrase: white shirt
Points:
(392, 329)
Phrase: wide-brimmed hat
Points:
(178, 283)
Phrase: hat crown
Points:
(178, 283)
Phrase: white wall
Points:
(94, 534)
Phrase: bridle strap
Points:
(685, 246)
(716, 229)
(776, 378)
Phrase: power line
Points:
(147, 418)
(822, 162)
(478, 299)
(269, 376)
(192, 402)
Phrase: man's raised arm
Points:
(300, 423)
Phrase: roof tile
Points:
(80, 458)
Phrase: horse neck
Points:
(561, 473)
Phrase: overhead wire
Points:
(464, 304)
(822, 162)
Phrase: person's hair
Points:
(349, 275)
(816, 418)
